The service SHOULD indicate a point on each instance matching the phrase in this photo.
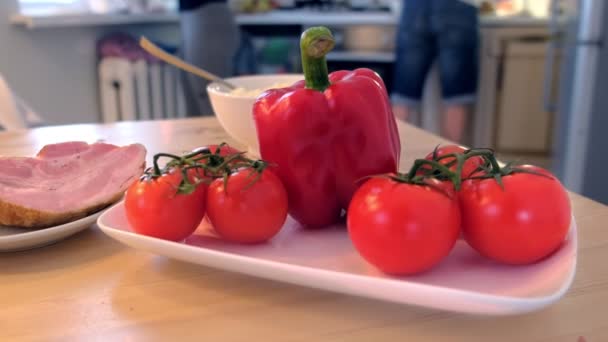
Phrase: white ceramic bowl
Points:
(234, 111)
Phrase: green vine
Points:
(209, 166)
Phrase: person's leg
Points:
(455, 120)
(407, 113)
(415, 54)
(456, 25)
(401, 111)
(210, 39)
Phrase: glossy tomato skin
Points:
(247, 213)
(470, 165)
(522, 224)
(154, 208)
(403, 228)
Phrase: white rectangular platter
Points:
(325, 259)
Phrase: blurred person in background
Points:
(210, 39)
(446, 31)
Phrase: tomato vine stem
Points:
(211, 165)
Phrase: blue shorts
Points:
(446, 30)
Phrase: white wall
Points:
(54, 70)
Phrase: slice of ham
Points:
(65, 182)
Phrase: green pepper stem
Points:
(315, 43)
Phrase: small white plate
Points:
(13, 239)
(325, 259)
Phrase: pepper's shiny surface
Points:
(324, 142)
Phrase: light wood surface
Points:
(90, 287)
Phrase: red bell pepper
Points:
(326, 132)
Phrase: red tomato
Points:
(155, 208)
(225, 150)
(469, 166)
(521, 224)
(403, 228)
(247, 212)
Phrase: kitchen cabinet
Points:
(510, 115)
(522, 123)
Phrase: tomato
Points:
(403, 228)
(225, 150)
(154, 207)
(470, 165)
(247, 212)
(521, 224)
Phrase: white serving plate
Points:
(325, 259)
(13, 239)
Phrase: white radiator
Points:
(139, 90)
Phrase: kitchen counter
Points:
(513, 21)
(309, 18)
(91, 287)
(277, 17)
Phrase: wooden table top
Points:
(90, 287)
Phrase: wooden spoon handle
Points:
(159, 53)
